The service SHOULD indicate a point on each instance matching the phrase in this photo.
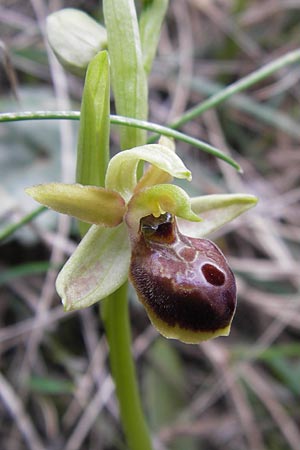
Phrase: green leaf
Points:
(224, 93)
(164, 384)
(7, 231)
(75, 38)
(150, 22)
(121, 173)
(23, 270)
(50, 386)
(93, 139)
(287, 372)
(128, 75)
(216, 210)
(96, 269)
(165, 390)
(128, 122)
(88, 203)
(158, 200)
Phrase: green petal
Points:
(216, 211)
(88, 203)
(157, 200)
(121, 172)
(96, 269)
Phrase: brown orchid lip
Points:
(183, 282)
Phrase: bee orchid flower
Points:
(151, 231)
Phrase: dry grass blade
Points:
(181, 93)
(105, 389)
(16, 408)
(244, 414)
(267, 394)
(8, 67)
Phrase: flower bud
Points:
(185, 283)
(75, 38)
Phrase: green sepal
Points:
(97, 268)
(90, 204)
(157, 200)
(75, 38)
(121, 173)
(216, 210)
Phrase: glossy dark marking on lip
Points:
(213, 275)
(197, 293)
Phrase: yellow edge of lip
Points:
(184, 335)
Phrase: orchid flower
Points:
(152, 232)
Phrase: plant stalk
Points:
(114, 312)
(130, 87)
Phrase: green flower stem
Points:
(129, 122)
(117, 326)
(129, 84)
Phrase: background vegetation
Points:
(234, 393)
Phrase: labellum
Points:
(185, 283)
